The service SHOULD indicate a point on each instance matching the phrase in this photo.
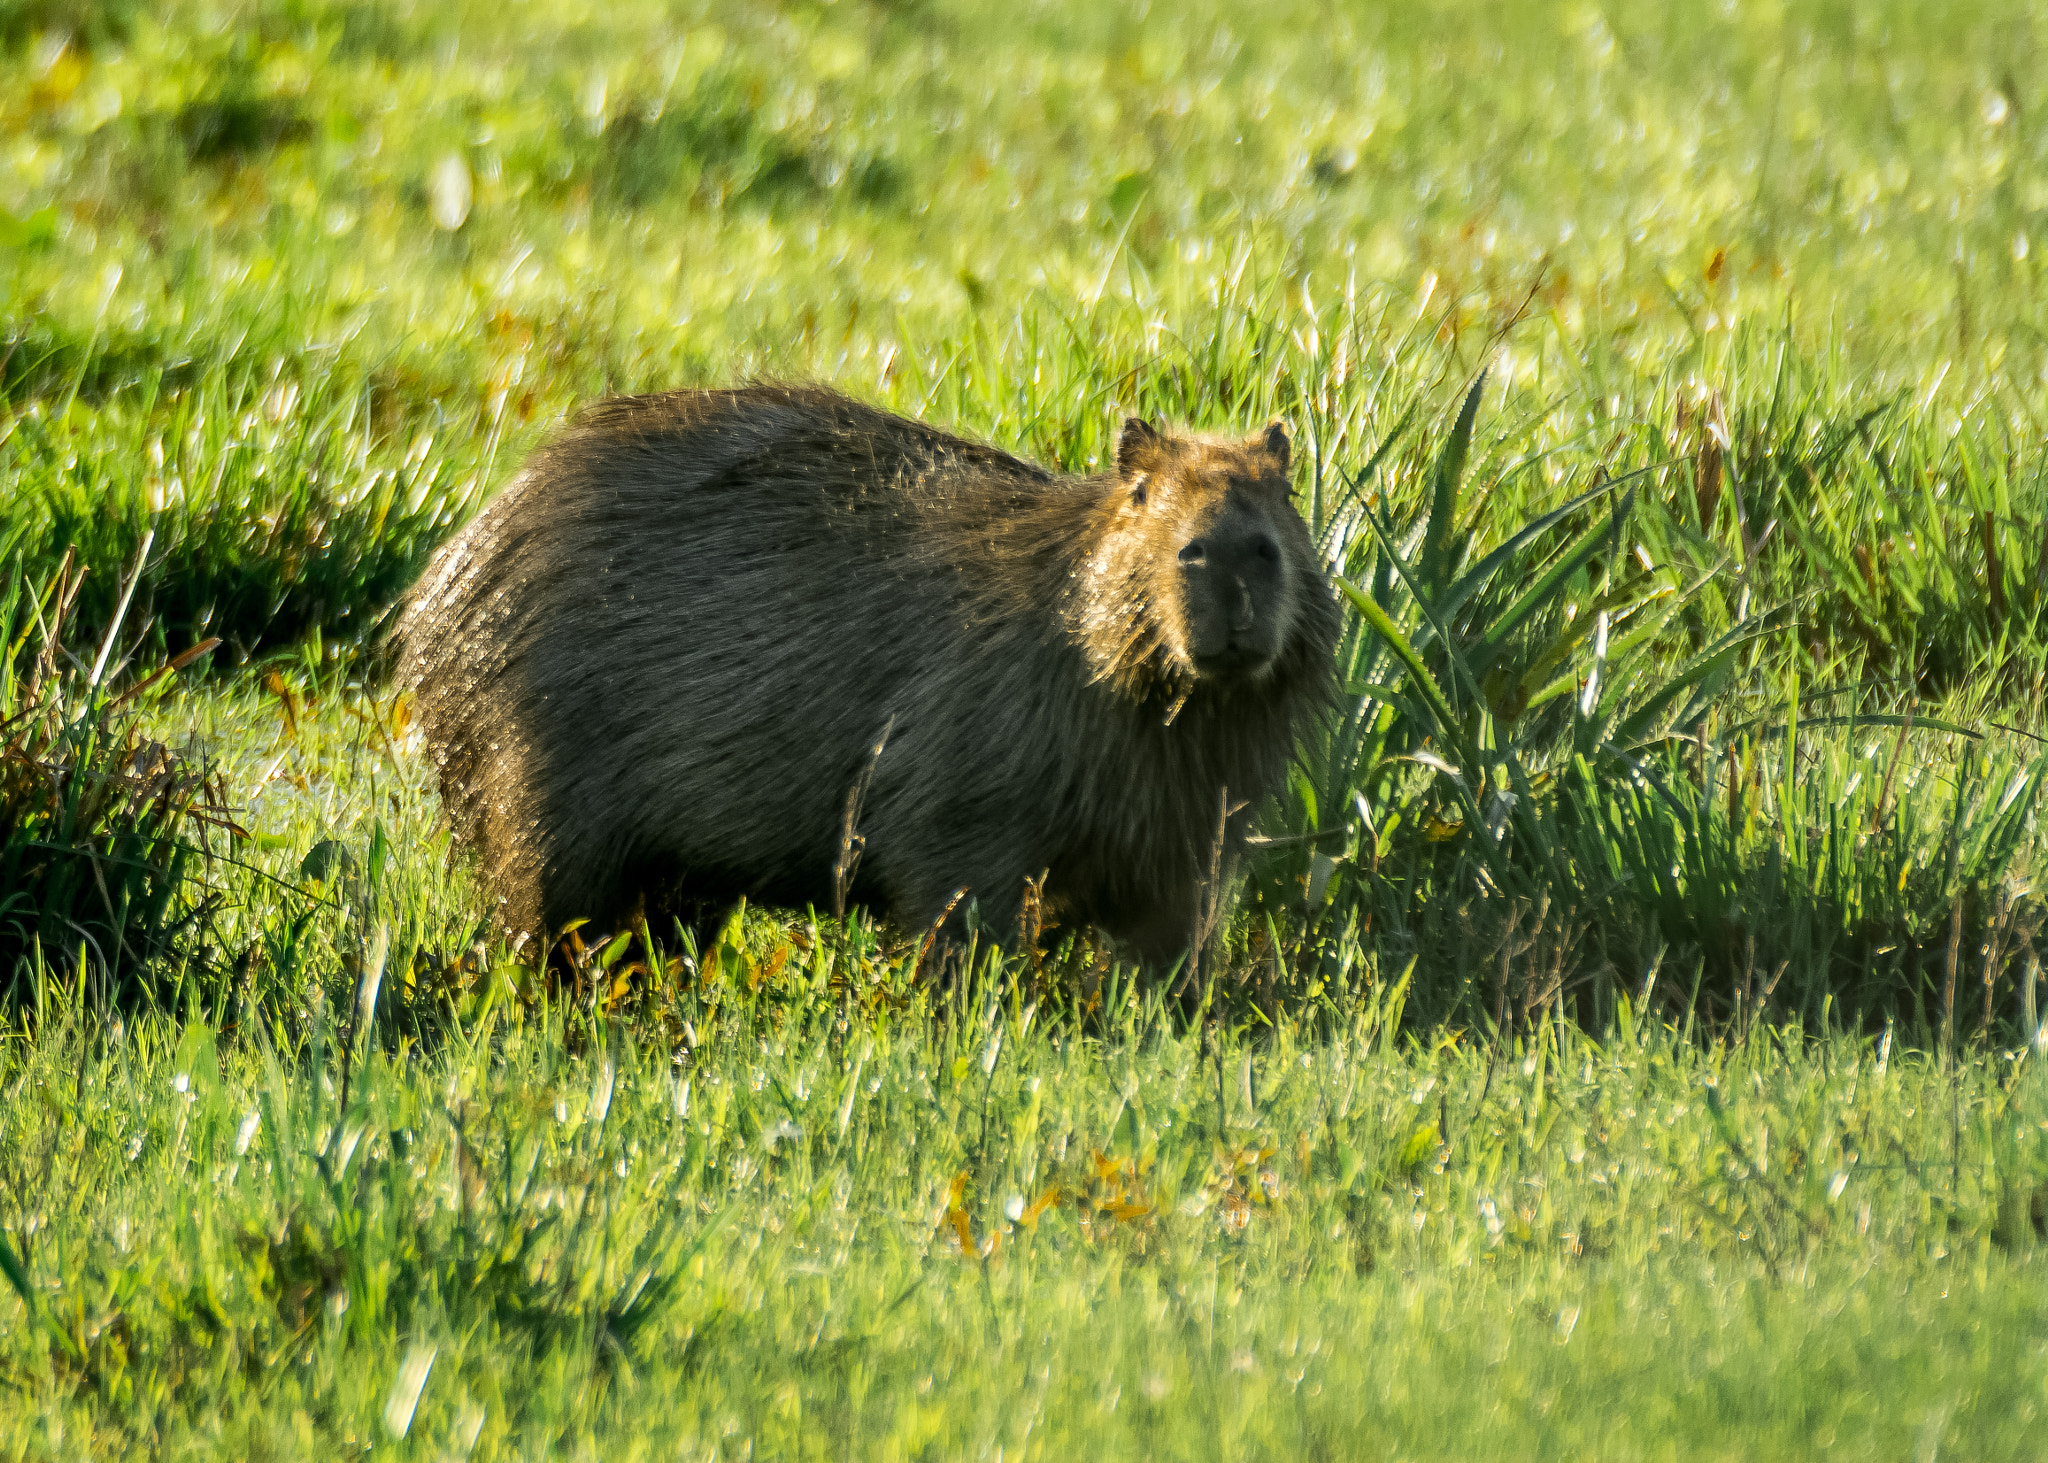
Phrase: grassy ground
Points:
(1639, 1062)
(834, 1232)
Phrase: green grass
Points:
(830, 1231)
(1661, 1082)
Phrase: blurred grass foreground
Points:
(1627, 1042)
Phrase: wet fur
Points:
(656, 663)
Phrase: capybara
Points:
(657, 666)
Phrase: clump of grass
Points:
(102, 827)
(276, 505)
(1579, 734)
(1910, 542)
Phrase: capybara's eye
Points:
(1195, 555)
(1268, 550)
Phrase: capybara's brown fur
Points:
(657, 663)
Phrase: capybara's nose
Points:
(1243, 613)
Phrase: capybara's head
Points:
(1224, 547)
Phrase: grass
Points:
(828, 1228)
(101, 826)
(1628, 1046)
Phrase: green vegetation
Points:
(98, 823)
(857, 1231)
(1626, 1044)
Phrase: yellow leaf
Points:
(58, 82)
(956, 1219)
(1039, 1205)
(1420, 1146)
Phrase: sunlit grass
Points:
(821, 1230)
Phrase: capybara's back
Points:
(657, 664)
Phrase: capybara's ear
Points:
(1276, 444)
(1135, 447)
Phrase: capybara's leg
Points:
(956, 913)
(580, 879)
(1159, 935)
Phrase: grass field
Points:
(1641, 1059)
